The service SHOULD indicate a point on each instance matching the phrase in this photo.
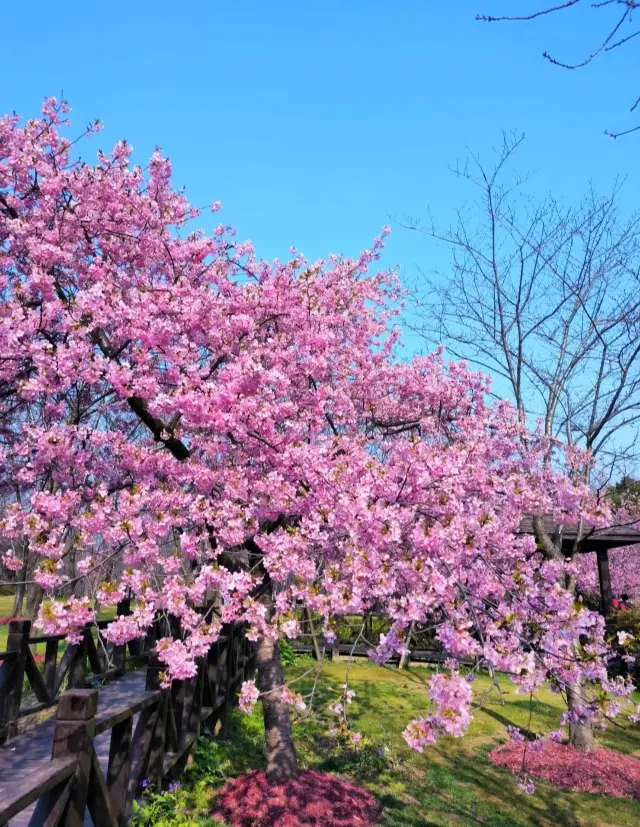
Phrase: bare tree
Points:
(546, 299)
(618, 16)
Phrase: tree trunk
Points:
(335, 646)
(406, 656)
(317, 653)
(18, 600)
(580, 735)
(35, 594)
(282, 763)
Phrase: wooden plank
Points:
(188, 703)
(102, 646)
(6, 676)
(49, 672)
(63, 668)
(106, 675)
(50, 808)
(153, 682)
(6, 668)
(98, 800)
(34, 708)
(119, 708)
(178, 690)
(155, 763)
(172, 737)
(45, 639)
(118, 772)
(25, 789)
(92, 654)
(141, 743)
(209, 691)
(18, 644)
(77, 666)
(36, 679)
(172, 759)
(119, 657)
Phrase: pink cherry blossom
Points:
(11, 562)
(183, 418)
(249, 694)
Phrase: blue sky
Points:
(311, 121)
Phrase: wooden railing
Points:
(105, 741)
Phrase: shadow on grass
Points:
(453, 784)
(498, 791)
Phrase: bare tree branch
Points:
(546, 298)
(609, 42)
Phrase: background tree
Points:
(545, 298)
(617, 30)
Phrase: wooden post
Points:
(73, 735)
(155, 769)
(605, 582)
(50, 663)
(119, 655)
(17, 646)
(118, 769)
(78, 665)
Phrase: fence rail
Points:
(103, 742)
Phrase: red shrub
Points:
(314, 799)
(601, 771)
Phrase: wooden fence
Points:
(115, 728)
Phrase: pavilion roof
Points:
(594, 539)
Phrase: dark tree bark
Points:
(617, 31)
(282, 763)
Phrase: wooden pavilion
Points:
(598, 540)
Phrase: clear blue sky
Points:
(311, 121)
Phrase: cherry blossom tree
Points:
(623, 562)
(184, 418)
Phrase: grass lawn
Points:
(452, 783)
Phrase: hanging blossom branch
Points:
(613, 38)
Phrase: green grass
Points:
(452, 783)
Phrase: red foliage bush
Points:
(314, 799)
(601, 771)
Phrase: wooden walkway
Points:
(85, 766)
(26, 758)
